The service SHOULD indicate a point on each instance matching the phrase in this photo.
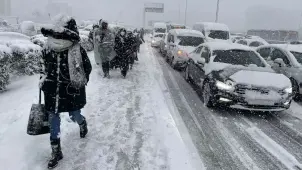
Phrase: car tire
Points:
(295, 87)
(207, 95)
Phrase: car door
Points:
(200, 72)
(171, 46)
(279, 54)
(192, 62)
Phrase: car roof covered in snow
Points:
(160, 25)
(250, 40)
(219, 45)
(186, 32)
(214, 26)
(13, 35)
(288, 47)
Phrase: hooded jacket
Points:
(59, 93)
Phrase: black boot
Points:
(56, 154)
(83, 129)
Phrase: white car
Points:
(285, 59)
(253, 43)
(156, 38)
(236, 76)
(216, 31)
(181, 42)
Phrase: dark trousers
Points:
(106, 67)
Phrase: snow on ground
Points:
(130, 125)
(295, 110)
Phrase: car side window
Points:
(243, 42)
(279, 54)
(198, 50)
(205, 53)
(264, 52)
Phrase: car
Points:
(285, 59)
(253, 43)
(156, 38)
(163, 47)
(180, 43)
(216, 31)
(236, 76)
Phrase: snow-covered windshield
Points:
(215, 34)
(298, 56)
(238, 57)
(190, 41)
(160, 30)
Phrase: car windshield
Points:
(159, 35)
(223, 35)
(159, 30)
(238, 57)
(298, 56)
(190, 41)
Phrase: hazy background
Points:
(238, 14)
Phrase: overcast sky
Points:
(232, 12)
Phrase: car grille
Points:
(241, 89)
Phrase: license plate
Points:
(261, 102)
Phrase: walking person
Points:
(65, 70)
(105, 41)
(123, 50)
(96, 45)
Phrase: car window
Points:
(238, 57)
(215, 34)
(264, 52)
(205, 53)
(242, 42)
(190, 41)
(256, 44)
(279, 54)
(298, 56)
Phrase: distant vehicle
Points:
(254, 43)
(163, 47)
(156, 38)
(180, 43)
(171, 26)
(159, 27)
(296, 42)
(235, 38)
(213, 30)
(285, 59)
(235, 76)
(275, 36)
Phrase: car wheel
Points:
(207, 95)
(295, 87)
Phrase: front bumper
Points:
(237, 101)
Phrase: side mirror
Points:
(279, 62)
(201, 61)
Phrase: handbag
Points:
(38, 119)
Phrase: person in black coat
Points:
(123, 49)
(65, 70)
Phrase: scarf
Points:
(75, 62)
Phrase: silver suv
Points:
(285, 59)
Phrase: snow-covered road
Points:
(236, 140)
(133, 124)
(152, 120)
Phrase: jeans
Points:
(55, 122)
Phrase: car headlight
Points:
(288, 90)
(153, 41)
(229, 85)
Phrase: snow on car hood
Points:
(187, 49)
(262, 79)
